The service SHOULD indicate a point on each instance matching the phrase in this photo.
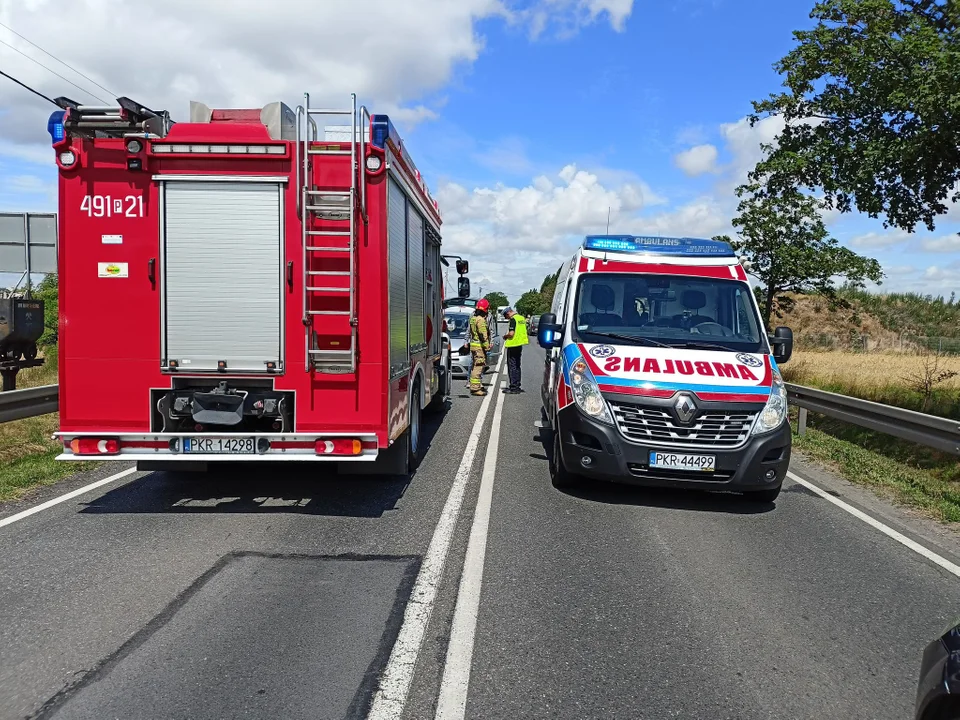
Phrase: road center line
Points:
(63, 498)
(885, 529)
(391, 695)
(452, 704)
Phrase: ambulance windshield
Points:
(679, 311)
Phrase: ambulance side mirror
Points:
(549, 334)
(782, 343)
(463, 287)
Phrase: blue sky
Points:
(529, 119)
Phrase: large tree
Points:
(872, 109)
(532, 303)
(790, 250)
(496, 300)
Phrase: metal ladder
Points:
(335, 205)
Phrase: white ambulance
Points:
(659, 370)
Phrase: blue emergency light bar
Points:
(381, 129)
(640, 244)
(55, 126)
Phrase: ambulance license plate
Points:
(219, 446)
(674, 461)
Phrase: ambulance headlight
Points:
(68, 158)
(774, 413)
(587, 393)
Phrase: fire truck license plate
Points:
(219, 446)
(673, 461)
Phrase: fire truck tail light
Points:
(374, 163)
(95, 446)
(339, 446)
(67, 159)
(196, 149)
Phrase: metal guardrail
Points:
(19, 404)
(929, 430)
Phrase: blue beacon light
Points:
(55, 126)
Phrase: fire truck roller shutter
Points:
(397, 241)
(222, 259)
(416, 286)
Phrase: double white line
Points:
(391, 695)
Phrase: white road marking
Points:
(63, 498)
(452, 704)
(885, 529)
(394, 685)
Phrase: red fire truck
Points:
(239, 288)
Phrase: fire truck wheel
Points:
(414, 435)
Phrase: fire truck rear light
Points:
(374, 163)
(94, 446)
(67, 158)
(191, 149)
(339, 446)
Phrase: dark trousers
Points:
(513, 366)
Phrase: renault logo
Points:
(685, 407)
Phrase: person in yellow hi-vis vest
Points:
(479, 346)
(515, 340)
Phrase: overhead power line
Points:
(83, 90)
(27, 87)
(62, 62)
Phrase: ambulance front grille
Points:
(656, 426)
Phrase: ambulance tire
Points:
(561, 478)
(415, 431)
(763, 496)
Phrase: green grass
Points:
(911, 475)
(35, 470)
(46, 374)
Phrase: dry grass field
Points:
(891, 378)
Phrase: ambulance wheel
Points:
(415, 431)
(763, 496)
(559, 475)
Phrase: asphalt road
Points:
(283, 593)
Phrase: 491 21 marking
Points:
(109, 206)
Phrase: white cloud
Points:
(523, 230)
(567, 17)
(945, 244)
(876, 241)
(698, 160)
(247, 53)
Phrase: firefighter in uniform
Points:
(479, 345)
(515, 340)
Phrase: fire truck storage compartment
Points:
(222, 275)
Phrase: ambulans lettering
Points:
(109, 206)
(681, 366)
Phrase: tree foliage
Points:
(789, 249)
(48, 291)
(532, 303)
(497, 300)
(872, 110)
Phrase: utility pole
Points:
(608, 221)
